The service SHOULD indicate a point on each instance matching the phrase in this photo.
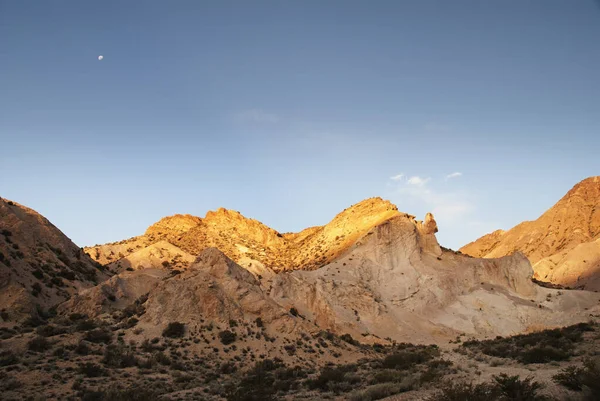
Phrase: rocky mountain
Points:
(247, 241)
(39, 266)
(372, 272)
(366, 306)
(562, 244)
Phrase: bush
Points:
(581, 378)
(8, 358)
(513, 388)
(409, 357)
(174, 330)
(540, 347)
(227, 337)
(38, 344)
(119, 356)
(377, 392)
(331, 375)
(502, 387)
(92, 370)
(464, 392)
(100, 335)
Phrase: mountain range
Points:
(370, 279)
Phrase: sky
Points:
(482, 112)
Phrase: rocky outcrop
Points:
(572, 221)
(251, 243)
(39, 266)
(389, 285)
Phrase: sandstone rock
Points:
(572, 221)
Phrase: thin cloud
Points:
(417, 181)
(453, 175)
(397, 177)
(257, 116)
(418, 192)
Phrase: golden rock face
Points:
(553, 242)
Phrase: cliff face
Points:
(396, 282)
(572, 221)
(39, 265)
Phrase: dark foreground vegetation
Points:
(74, 357)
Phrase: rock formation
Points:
(39, 266)
(561, 244)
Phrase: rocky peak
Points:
(176, 224)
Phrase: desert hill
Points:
(39, 265)
(247, 241)
(372, 272)
(366, 306)
(561, 244)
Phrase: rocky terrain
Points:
(39, 266)
(562, 244)
(223, 307)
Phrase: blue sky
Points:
(291, 111)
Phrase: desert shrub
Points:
(585, 378)
(38, 344)
(174, 330)
(100, 335)
(435, 370)
(377, 392)
(348, 338)
(329, 376)
(92, 370)
(501, 388)
(409, 357)
(119, 356)
(85, 325)
(571, 377)
(539, 347)
(461, 391)
(7, 358)
(513, 388)
(77, 316)
(257, 384)
(82, 348)
(49, 330)
(114, 393)
(227, 337)
(294, 311)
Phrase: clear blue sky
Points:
(290, 111)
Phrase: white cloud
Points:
(257, 116)
(453, 175)
(417, 181)
(397, 177)
(417, 193)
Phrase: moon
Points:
(100, 57)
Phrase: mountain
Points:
(366, 306)
(247, 241)
(39, 266)
(562, 244)
(371, 272)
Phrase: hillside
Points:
(39, 266)
(249, 242)
(553, 242)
